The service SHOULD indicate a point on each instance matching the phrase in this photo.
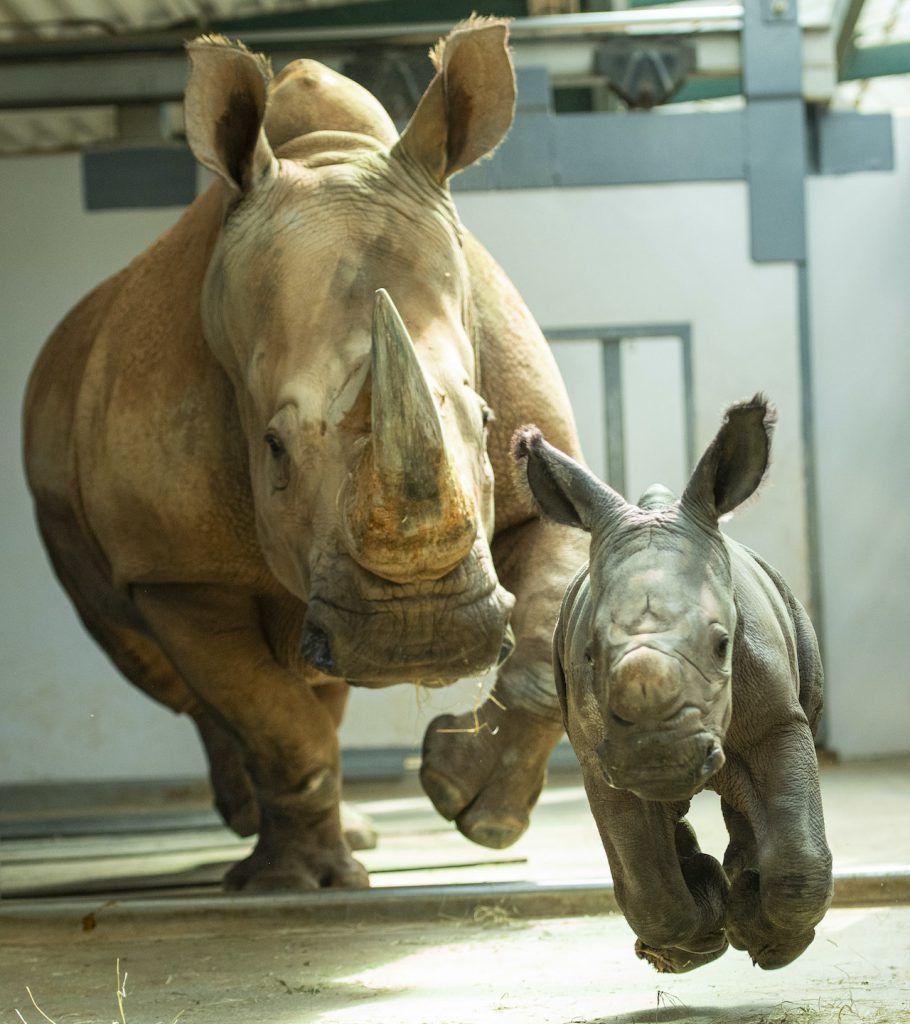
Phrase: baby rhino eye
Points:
(721, 646)
(274, 443)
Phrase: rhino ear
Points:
(468, 107)
(563, 490)
(224, 109)
(735, 462)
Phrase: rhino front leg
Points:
(485, 769)
(671, 894)
(778, 859)
(214, 638)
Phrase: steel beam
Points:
(151, 68)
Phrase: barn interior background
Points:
(697, 201)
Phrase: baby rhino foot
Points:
(673, 960)
(682, 941)
(749, 928)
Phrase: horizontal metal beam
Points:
(876, 61)
(569, 898)
(151, 68)
(683, 19)
(110, 81)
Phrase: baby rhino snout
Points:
(646, 687)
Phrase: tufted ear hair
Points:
(469, 105)
(224, 109)
(563, 490)
(735, 462)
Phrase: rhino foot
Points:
(358, 828)
(235, 799)
(748, 927)
(296, 870)
(484, 770)
(673, 960)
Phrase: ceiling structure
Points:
(81, 73)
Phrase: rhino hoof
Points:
(493, 832)
(673, 960)
(358, 828)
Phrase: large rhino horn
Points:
(408, 444)
(406, 515)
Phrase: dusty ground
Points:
(84, 889)
(246, 968)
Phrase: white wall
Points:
(669, 254)
(594, 257)
(64, 710)
(859, 229)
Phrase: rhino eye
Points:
(275, 445)
(721, 646)
(589, 657)
(487, 415)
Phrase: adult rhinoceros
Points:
(265, 464)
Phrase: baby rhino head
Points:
(648, 648)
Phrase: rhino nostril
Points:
(508, 645)
(317, 650)
(714, 760)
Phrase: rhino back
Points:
(809, 662)
(159, 454)
(52, 392)
(518, 378)
(776, 664)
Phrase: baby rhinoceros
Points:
(683, 661)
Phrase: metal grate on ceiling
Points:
(60, 129)
(52, 19)
(882, 28)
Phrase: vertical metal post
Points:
(611, 361)
(776, 161)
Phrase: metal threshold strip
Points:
(479, 902)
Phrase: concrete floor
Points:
(451, 932)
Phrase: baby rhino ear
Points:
(563, 490)
(736, 461)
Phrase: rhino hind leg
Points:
(117, 629)
(287, 735)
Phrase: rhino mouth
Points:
(430, 634)
(661, 765)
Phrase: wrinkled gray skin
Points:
(683, 661)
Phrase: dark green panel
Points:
(708, 89)
(137, 179)
(875, 61)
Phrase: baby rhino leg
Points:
(672, 895)
(707, 886)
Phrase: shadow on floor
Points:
(754, 1013)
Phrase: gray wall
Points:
(860, 239)
(583, 258)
